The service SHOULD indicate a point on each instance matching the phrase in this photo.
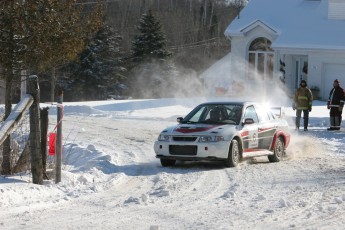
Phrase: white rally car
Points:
(224, 131)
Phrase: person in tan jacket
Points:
(302, 101)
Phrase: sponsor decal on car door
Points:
(253, 139)
(266, 133)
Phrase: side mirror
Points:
(248, 121)
(179, 119)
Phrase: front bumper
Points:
(201, 151)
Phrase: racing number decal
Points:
(253, 139)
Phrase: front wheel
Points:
(279, 151)
(167, 162)
(233, 155)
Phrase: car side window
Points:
(272, 117)
(263, 114)
(251, 113)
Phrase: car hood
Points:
(197, 129)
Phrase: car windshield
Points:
(215, 114)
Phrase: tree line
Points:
(193, 35)
(192, 32)
(92, 49)
(193, 28)
(100, 63)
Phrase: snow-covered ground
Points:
(112, 180)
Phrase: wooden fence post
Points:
(35, 132)
(58, 146)
(44, 133)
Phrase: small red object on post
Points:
(51, 150)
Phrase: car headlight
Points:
(164, 137)
(211, 138)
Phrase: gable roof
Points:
(252, 25)
(300, 23)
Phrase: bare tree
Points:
(187, 31)
(239, 4)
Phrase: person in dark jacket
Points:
(335, 104)
(302, 102)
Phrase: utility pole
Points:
(58, 147)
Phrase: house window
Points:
(261, 57)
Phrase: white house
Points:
(281, 42)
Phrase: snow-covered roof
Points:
(299, 23)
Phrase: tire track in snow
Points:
(255, 194)
(202, 183)
(301, 202)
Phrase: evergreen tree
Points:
(37, 36)
(150, 59)
(98, 70)
(149, 44)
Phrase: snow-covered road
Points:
(112, 180)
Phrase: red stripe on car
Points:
(245, 134)
(194, 129)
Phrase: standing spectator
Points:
(335, 104)
(302, 102)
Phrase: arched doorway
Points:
(260, 59)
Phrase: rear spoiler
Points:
(278, 111)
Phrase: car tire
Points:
(278, 152)
(167, 162)
(233, 155)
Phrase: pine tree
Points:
(150, 59)
(99, 68)
(149, 44)
(37, 36)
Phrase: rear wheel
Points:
(167, 162)
(279, 151)
(233, 155)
